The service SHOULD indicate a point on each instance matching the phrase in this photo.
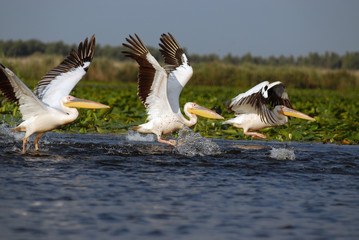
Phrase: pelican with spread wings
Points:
(50, 105)
(265, 105)
(159, 87)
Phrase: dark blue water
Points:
(107, 187)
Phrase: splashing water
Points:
(193, 144)
(282, 154)
(136, 136)
(5, 129)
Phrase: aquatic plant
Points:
(336, 112)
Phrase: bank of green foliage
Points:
(336, 112)
(214, 73)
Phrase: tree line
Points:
(328, 60)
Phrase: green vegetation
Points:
(328, 95)
(103, 69)
(336, 113)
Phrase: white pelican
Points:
(50, 106)
(159, 88)
(265, 105)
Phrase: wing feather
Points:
(178, 69)
(259, 99)
(5, 85)
(152, 78)
(59, 81)
(16, 91)
(250, 101)
(277, 95)
(171, 50)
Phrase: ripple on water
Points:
(109, 187)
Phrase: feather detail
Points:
(147, 71)
(260, 99)
(80, 59)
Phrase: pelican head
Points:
(73, 102)
(283, 110)
(194, 108)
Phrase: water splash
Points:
(282, 154)
(136, 136)
(193, 144)
(5, 129)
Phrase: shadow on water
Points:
(108, 186)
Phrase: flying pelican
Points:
(50, 106)
(265, 105)
(159, 88)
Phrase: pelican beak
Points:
(204, 112)
(293, 113)
(83, 103)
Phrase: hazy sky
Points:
(261, 27)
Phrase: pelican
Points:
(159, 88)
(265, 105)
(50, 105)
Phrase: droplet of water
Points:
(193, 144)
(282, 154)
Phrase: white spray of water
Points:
(282, 154)
(11, 137)
(5, 129)
(193, 144)
(136, 136)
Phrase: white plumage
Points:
(50, 106)
(265, 105)
(159, 87)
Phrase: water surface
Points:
(115, 187)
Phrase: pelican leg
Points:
(172, 141)
(255, 135)
(168, 142)
(37, 141)
(24, 145)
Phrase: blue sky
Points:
(259, 27)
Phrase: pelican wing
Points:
(258, 98)
(250, 101)
(152, 78)
(171, 51)
(59, 81)
(277, 95)
(16, 91)
(178, 69)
